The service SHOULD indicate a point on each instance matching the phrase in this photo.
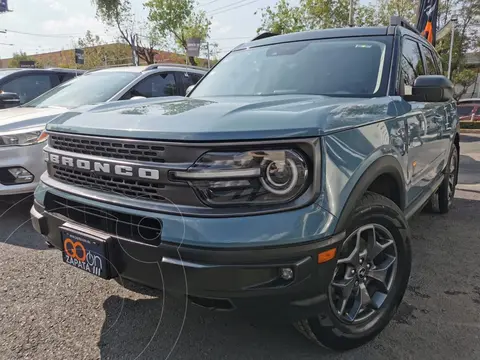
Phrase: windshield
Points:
(87, 89)
(348, 67)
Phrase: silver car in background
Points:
(21, 128)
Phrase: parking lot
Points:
(49, 310)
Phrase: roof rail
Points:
(63, 69)
(156, 66)
(264, 35)
(400, 21)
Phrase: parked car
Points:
(468, 109)
(19, 86)
(21, 128)
(281, 185)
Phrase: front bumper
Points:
(30, 158)
(247, 279)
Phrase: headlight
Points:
(20, 138)
(248, 178)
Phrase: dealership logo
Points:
(78, 256)
(101, 167)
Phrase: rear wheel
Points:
(370, 278)
(446, 192)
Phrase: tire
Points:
(446, 191)
(330, 329)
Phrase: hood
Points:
(226, 118)
(22, 117)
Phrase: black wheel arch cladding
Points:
(386, 165)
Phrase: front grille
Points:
(109, 148)
(131, 188)
(138, 228)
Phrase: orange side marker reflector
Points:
(326, 255)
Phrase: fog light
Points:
(286, 273)
(21, 175)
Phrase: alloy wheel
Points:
(364, 274)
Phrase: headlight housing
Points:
(23, 137)
(259, 177)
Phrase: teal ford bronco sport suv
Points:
(281, 185)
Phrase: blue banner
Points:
(3, 5)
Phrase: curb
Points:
(469, 131)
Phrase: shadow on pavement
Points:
(469, 170)
(143, 329)
(469, 138)
(15, 226)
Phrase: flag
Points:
(427, 19)
(3, 6)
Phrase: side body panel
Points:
(348, 155)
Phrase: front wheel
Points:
(370, 278)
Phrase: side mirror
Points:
(8, 100)
(189, 90)
(431, 88)
(137, 97)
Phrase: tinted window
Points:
(65, 77)
(89, 89)
(191, 79)
(432, 68)
(348, 67)
(464, 110)
(412, 65)
(157, 85)
(28, 87)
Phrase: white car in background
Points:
(21, 128)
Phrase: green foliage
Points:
(21, 56)
(178, 19)
(118, 13)
(470, 125)
(323, 14)
(282, 18)
(98, 53)
(466, 39)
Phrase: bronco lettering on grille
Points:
(101, 167)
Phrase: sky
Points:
(51, 25)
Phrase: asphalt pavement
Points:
(49, 310)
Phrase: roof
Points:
(318, 34)
(11, 70)
(139, 69)
(468, 100)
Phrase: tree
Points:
(179, 20)
(282, 18)
(466, 39)
(118, 13)
(323, 14)
(21, 56)
(98, 53)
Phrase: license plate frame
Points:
(86, 250)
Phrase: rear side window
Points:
(432, 68)
(28, 87)
(65, 77)
(157, 85)
(191, 79)
(412, 65)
